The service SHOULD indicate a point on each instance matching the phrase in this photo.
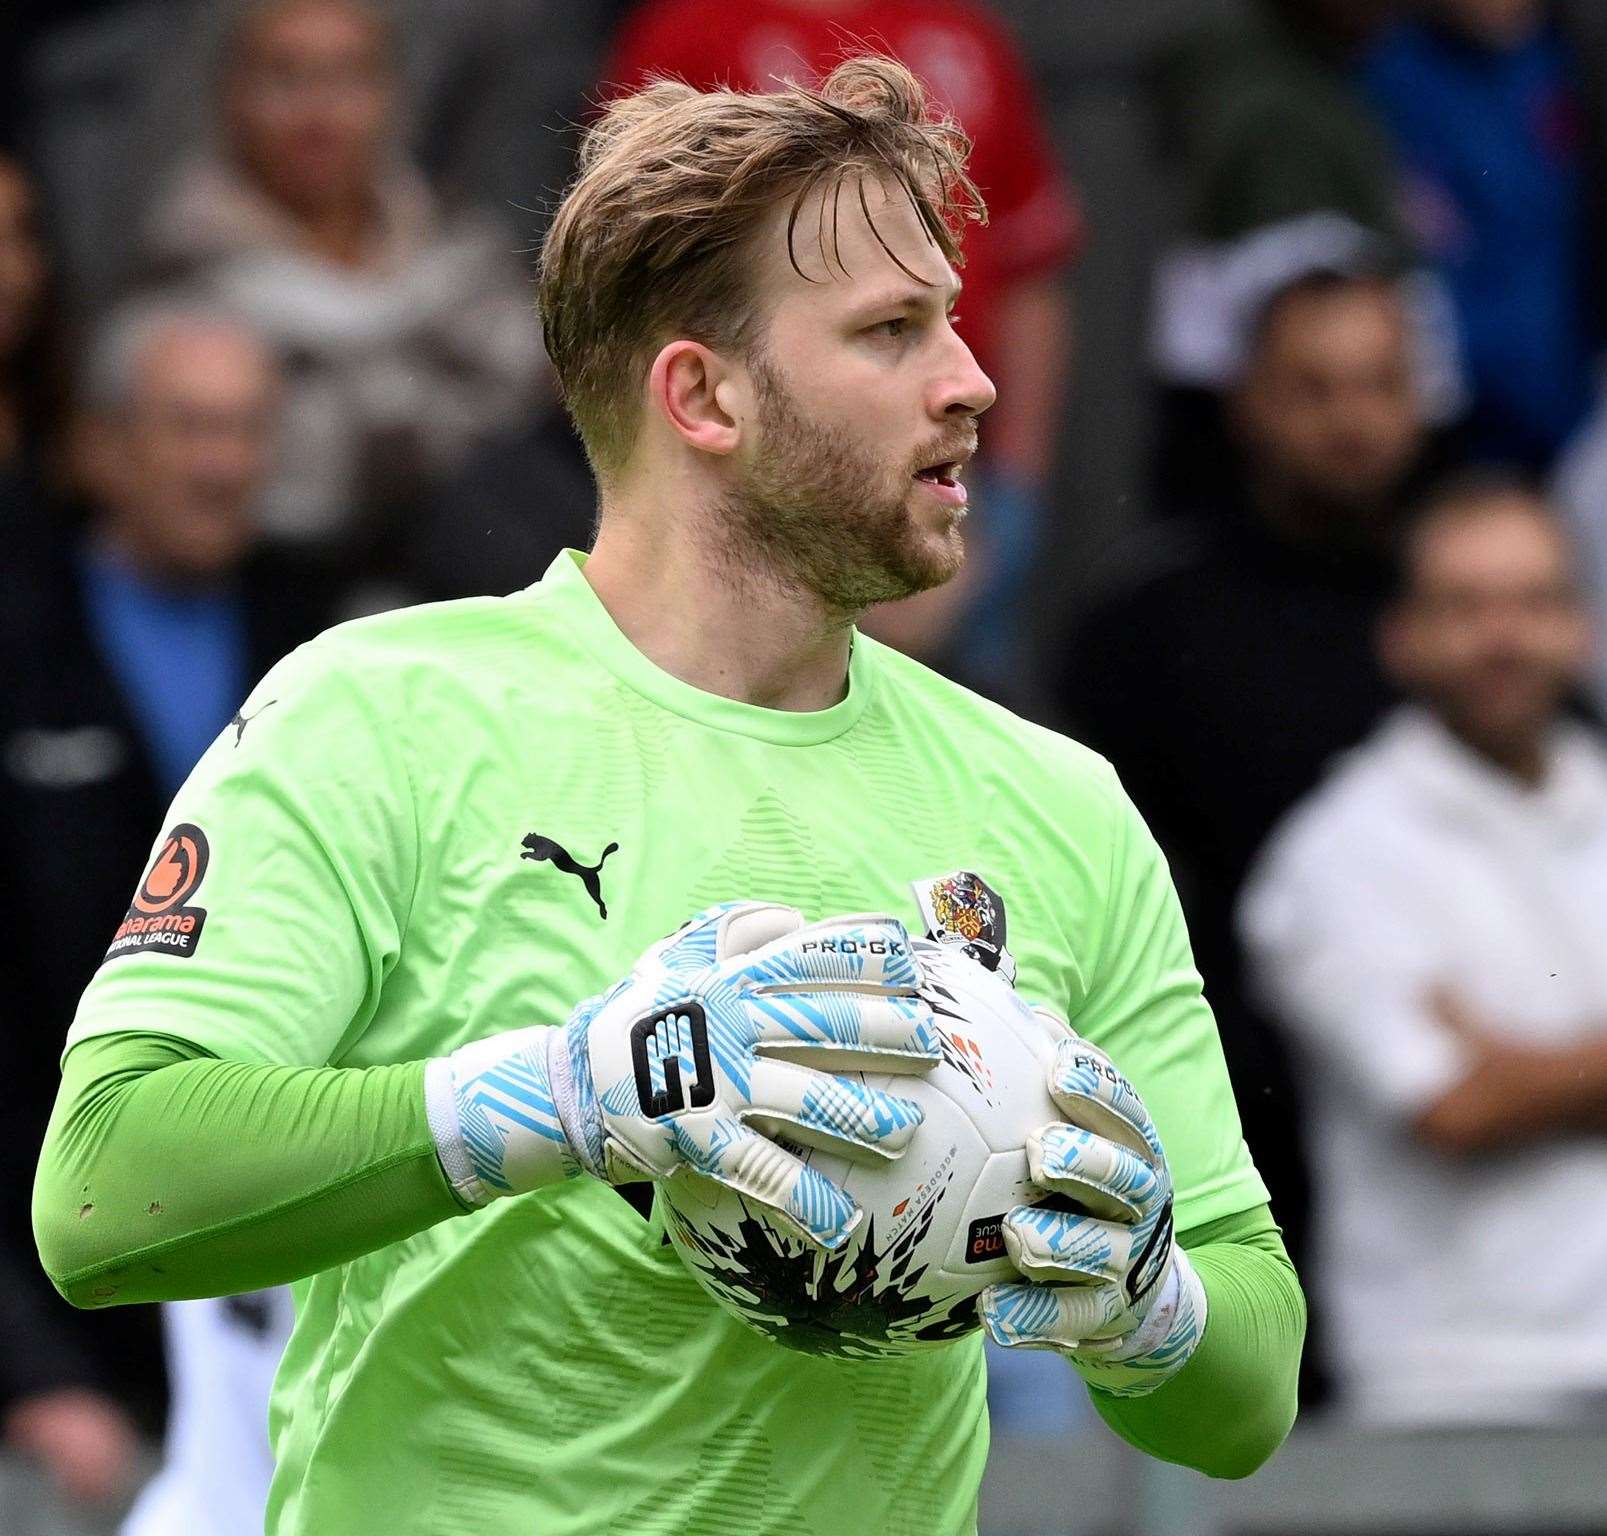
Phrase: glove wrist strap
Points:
(1154, 1352)
(491, 1113)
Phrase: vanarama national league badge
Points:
(161, 917)
(962, 908)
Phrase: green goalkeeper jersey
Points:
(437, 824)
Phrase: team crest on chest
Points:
(962, 908)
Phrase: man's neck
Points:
(342, 233)
(1520, 757)
(728, 628)
(1297, 520)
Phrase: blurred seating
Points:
(1329, 1479)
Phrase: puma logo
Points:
(589, 875)
(240, 721)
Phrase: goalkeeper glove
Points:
(1108, 1287)
(723, 1035)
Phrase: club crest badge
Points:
(962, 908)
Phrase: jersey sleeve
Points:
(1146, 1007)
(278, 887)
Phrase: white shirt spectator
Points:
(1457, 1289)
(217, 1463)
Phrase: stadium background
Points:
(1172, 172)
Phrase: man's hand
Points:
(722, 1035)
(1109, 1287)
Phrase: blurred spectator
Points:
(1235, 656)
(127, 650)
(1204, 320)
(1432, 923)
(32, 396)
(496, 525)
(104, 94)
(1482, 101)
(1267, 123)
(217, 1463)
(406, 338)
(51, 1407)
(1015, 312)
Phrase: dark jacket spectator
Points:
(496, 525)
(33, 402)
(1236, 657)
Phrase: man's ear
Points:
(701, 397)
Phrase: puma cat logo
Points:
(241, 721)
(590, 875)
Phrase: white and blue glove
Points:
(1107, 1285)
(722, 1036)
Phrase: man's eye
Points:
(892, 327)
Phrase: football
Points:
(929, 1240)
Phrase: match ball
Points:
(929, 1240)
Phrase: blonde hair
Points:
(653, 238)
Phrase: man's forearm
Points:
(1519, 1093)
(1233, 1404)
(169, 1174)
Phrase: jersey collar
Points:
(564, 586)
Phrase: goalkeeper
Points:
(385, 1017)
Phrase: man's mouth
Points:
(943, 478)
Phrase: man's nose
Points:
(968, 391)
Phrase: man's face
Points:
(1492, 632)
(22, 260)
(866, 405)
(309, 102)
(192, 451)
(1327, 412)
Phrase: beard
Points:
(818, 512)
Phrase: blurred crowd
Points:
(269, 359)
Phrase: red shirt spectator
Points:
(965, 58)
